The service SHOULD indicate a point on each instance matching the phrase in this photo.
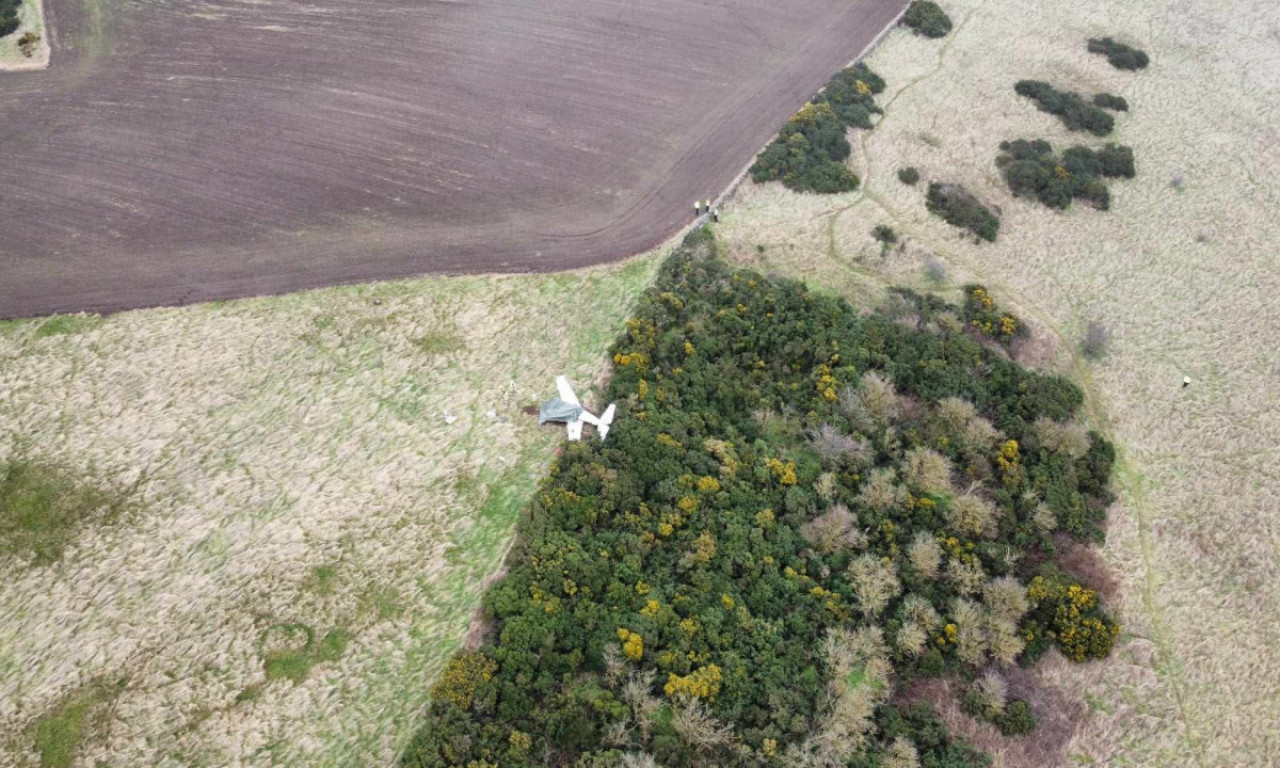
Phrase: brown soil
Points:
(205, 149)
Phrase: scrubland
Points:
(306, 495)
(1182, 273)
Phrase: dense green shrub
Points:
(1076, 113)
(926, 18)
(774, 534)
(959, 208)
(1120, 56)
(9, 21)
(908, 175)
(1110, 101)
(1032, 169)
(809, 153)
(885, 234)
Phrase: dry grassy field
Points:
(1182, 271)
(298, 534)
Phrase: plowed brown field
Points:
(204, 149)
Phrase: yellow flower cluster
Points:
(702, 683)
(668, 440)
(632, 644)
(462, 676)
(708, 485)
(826, 383)
(651, 608)
(811, 114)
(784, 473)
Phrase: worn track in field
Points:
(189, 150)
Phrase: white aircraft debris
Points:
(568, 409)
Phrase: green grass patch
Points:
(62, 325)
(323, 578)
(290, 651)
(43, 507)
(59, 733)
(439, 343)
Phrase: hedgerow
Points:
(959, 208)
(1119, 55)
(799, 507)
(926, 18)
(809, 153)
(1032, 169)
(1076, 113)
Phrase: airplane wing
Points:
(602, 424)
(566, 391)
(575, 430)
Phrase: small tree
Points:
(908, 175)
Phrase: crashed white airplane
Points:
(566, 408)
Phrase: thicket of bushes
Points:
(1076, 113)
(926, 18)
(9, 21)
(1120, 56)
(809, 153)
(1032, 169)
(961, 209)
(798, 507)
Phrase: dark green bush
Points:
(1031, 169)
(1017, 719)
(908, 176)
(926, 18)
(961, 209)
(705, 553)
(1111, 102)
(809, 153)
(9, 21)
(885, 234)
(1120, 56)
(1076, 113)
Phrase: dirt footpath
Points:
(206, 149)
